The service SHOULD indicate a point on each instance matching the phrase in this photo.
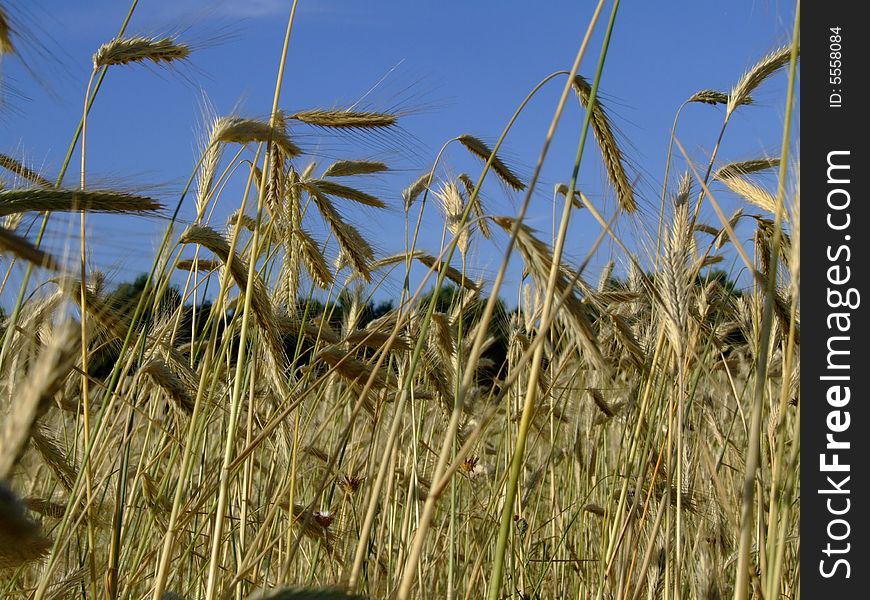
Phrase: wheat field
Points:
(247, 420)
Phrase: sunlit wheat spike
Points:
(476, 206)
(374, 339)
(453, 205)
(22, 248)
(331, 188)
(233, 129)
(355, 248)
(755, 76)
(612, 155)
(538, 258)
(201, 264)
(478, 148)
(349, 367)
(15, 166)
(126, 50)
(260, 304)
(715, 97)
(752, 193)
(6, 46)
(315, 264)
(347, 168)
(44, 378)
(298, 593)
(44, 200)
(451, 273)
(674, 280)
(413, 191)
(746, 167)
(684, 189)
(246, 221)
(21, 540)
(346, 119)
(182, 396)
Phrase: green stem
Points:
(494, 591)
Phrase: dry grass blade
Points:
(345, 119)
(674, 280)
(613, 157)
(755, 76)
(346, 168)
(483, 152)
(34, 396)
(237, 130)
(715, 97)
(22, 248)
(21, 540)
(413, 191)
(10, 164)
(330, 188)
(44, 200)
(746, 167)
(122, 51)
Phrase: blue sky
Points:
(450, 67)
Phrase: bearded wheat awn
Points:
(755, 76)
(613, 157)
(715, 97)
(478, 148)
(122, 51)
(15, 166)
